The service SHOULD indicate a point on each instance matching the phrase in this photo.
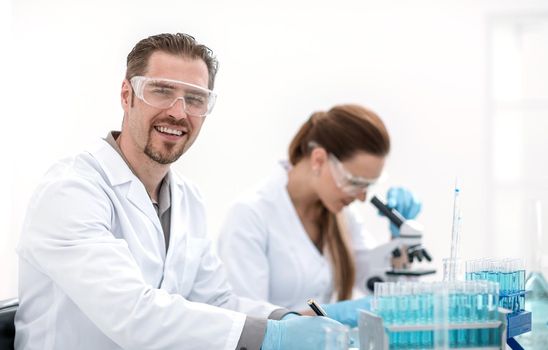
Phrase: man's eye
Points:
(162, 91)
(195, 100)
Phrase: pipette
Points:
(455, 233)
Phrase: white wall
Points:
(420, 64)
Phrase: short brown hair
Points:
(176, 44)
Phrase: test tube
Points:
(441, 314)
(428, 336)
(463, 312)
(494, 292)
(453, 310)
(403, 312)
(375, 305)
(505, 266)
(473, 293)
(483, 312)
(415, 313)
(469, 270)
(382, 305)
(393, 311)
(485, 266)
(523, 277)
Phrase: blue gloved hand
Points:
(289, 315)
(305, 333)
(405, 203)
(346, 312)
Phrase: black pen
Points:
(316, 308)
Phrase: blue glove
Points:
(405, 203)
(305, 333)
(289, 315)
(346, 312)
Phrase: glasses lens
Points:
(159, 93)
(348, 183)
(164, 94)
(199, 102)
(354, 189)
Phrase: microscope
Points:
(392, 261)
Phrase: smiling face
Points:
(331, 192)
(163, 135)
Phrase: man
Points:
(114, 253)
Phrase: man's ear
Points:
(126, 95)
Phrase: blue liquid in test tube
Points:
(414, 314)
(428, 308)
(473, 316)
(453, 310)
(493, 290)
(393, 307)
(462, 315)
(483, 315)
(403, 315)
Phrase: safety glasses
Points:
(348, 183)
(164, 93)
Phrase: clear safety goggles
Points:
(164, 93)
(348, 183)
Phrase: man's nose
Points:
(177, 109)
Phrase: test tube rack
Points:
(373, 334)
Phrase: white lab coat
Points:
(281, 265)
(94, 272)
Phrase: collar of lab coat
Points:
(116, 169)
(118, 173)
(113, 165)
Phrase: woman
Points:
(292, 239)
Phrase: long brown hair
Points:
(342, 131)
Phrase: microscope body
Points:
(396, 260)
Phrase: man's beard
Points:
(173, 153)
(168, 158)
